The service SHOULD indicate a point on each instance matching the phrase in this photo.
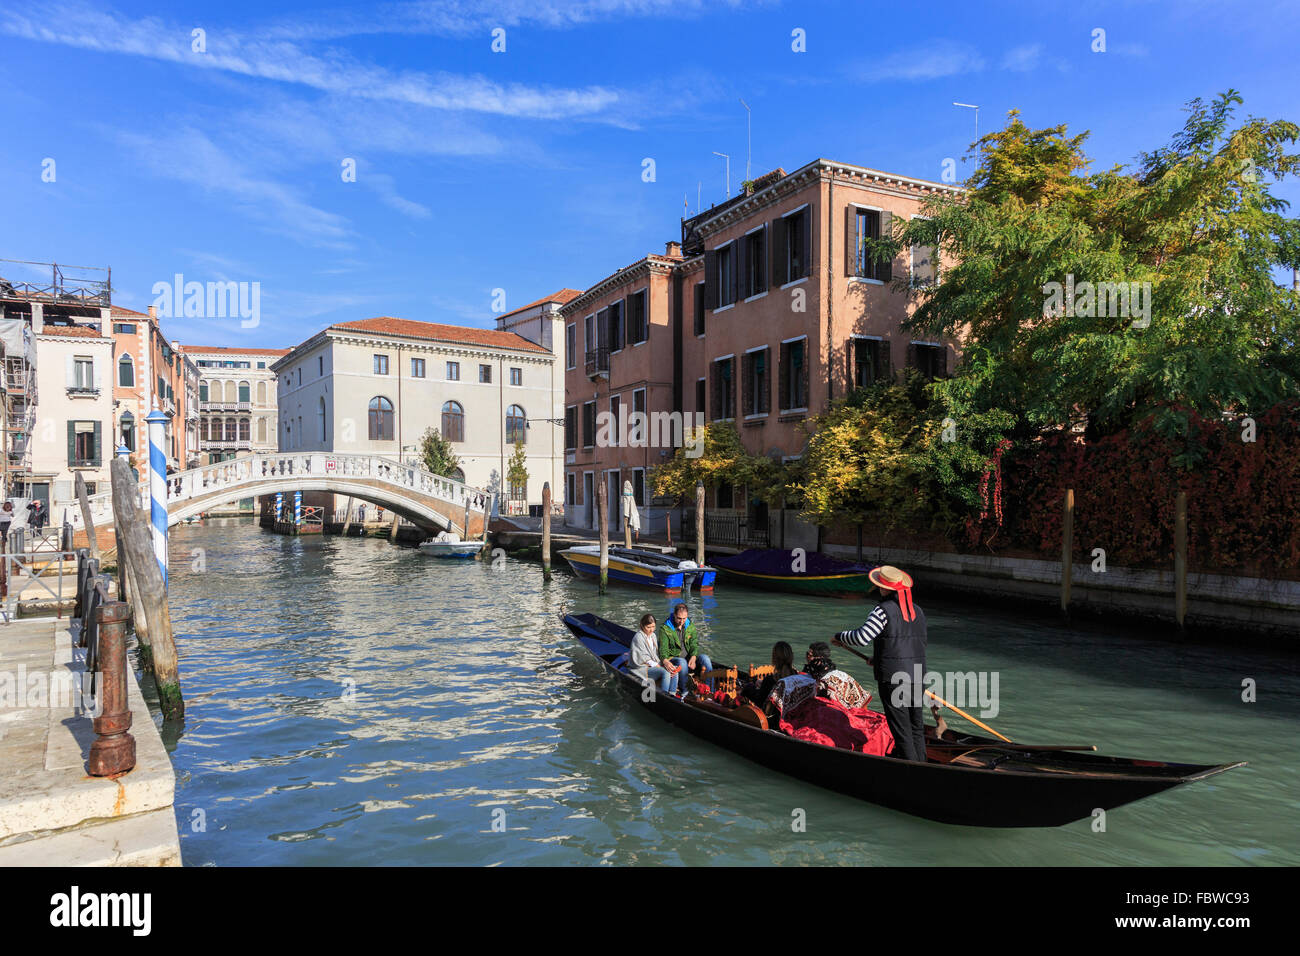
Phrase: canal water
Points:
(351, 702)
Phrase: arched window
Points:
(261, 393)
(516, 425)
(453, 422)
(244, 395)
(125, 372)
(203, 391)
(230, 392)
(244, 429)
(128, 430)
(320, 416)
(261, 430)
(381, 419)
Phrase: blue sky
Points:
(522, 170)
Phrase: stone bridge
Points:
(431, 501)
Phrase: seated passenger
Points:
(835, 684)
(789, 693)
(644, 660)
(757, 692)
(680, 644)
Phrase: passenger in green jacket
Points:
(679, 643)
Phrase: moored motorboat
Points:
(796, 571)
(665, 572)
(967, 779)
(447, 545)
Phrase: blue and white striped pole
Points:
(157, 420)
(297, 509)
(279, 506)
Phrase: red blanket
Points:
(823, 721)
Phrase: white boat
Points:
(447, 545)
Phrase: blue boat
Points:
(663, 572)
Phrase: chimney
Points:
(673, 249)
(153, 313)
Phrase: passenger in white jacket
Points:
(644, 662)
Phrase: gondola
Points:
(967, 780)
(811, 572)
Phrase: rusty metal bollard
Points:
(113, 751)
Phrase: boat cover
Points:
(779, 562)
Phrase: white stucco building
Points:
(74, 422)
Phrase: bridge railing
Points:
(257, 469)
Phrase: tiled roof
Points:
(75, 331)
(120, 310)
(563, 297)
(433, 332)
(225, 350)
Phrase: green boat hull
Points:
(832, 585)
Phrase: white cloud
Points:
(934, 61)
(1022, 59)
(385, 188)
(332, 71)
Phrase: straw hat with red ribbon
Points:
(892, 579)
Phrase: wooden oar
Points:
(955, 710)
(970, 746)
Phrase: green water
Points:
(351, 702)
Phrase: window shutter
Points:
(602, 329)
(710, 279)
(72, 371)
(72, 442)
(779, 255)
(851, 240)
(740, 255)
(807, 243)
(764, 382)
(884, 361)
(803, 378)
(714, 410)
(699, 309)
(94, 373)
(884, 270)
(747, 386)
(96, 455)
(783, 385)
(735, 270)
(852, 363)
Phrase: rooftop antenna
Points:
(699, 186)
(972, 106)
(749, 136)
(728, 159)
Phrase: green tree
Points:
(436, 453)
(721, 458)
(517, 470)
(1196, 220)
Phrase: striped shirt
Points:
(877, 621)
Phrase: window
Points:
(453, 371)
(516, 425)
(754, 267)
(637, 328)
(699, 395)
(245, 395)
(868, 361)
(231, 429)
(589, 335)
(925, 267)
(84, 444)
(638, 401)
(725, 271)
(125, 328)
(792, 244)
(725, 495)
(203, 391)
(615, 404)
(638, 486)
(485, 374)
(570, 346)
(381, 419)
(81, 374)
(724, 394)
(614, 322)
(241, 365)
(126, 372)
(128, 430)
(453, 421)
(570, 490)
(930, 359)
(516, 376)
(757, 400)
(381, 366)
(417, 368)
(588, 424)
(699, 308)
(794, 375)
(261, 393)
(865, 225)
(261, 430)
(320, 418)
(320, 365)
(571, 428)
(244, 429)
(261, 365)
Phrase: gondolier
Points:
(896, 627)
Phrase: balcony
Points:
(598, 363)
(82, 391)
(243, 444)
(225, 406)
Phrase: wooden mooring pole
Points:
(699, 522)
(1180, 560)
(546, 531)
(84, 499)
(602, 519)
(1067, 550)
(347, 517)
(135, 546)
